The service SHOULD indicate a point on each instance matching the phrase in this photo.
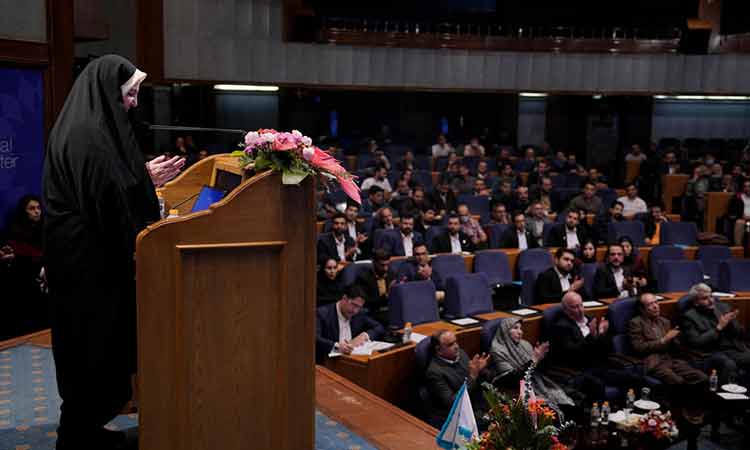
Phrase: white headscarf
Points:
(134, 80)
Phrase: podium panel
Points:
(226, 326)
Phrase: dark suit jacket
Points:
(397, 245)
(736, 207)
(698, 329)
(568, 347)
(327, 329)
(437, 202)
(327, 247)
(645, 337)
(547, 288)
(509, 239)
(443, 380)
(368, 281)
(558, 238)
(442, 243)
(605, 285)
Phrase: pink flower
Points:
(252, 138)
(325, 162)
(284, 142)
(308, 153)
(350, 188)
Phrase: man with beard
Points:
(559, 279)
(569, 234)
(612, 280)
(337, 244)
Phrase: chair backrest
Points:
(433, 232)
(632, 228)
(478, 205)
(422, 354)
(589, 272)
(712, 256)
(684, 303)
(662, 253)
(423, 178)
(379, 239)
(495, 234)
(678, 233)
(679, 275)
(547, 229)
(608, 197)
(446, 266)
(487, 334)
(441, 163)
(549, 316)
(494, 265)
(412, 302)
(528, 285)
(734, 275)
(468, 294)
(351, 271)
(535, 258)
(619, 314)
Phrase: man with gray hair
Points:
(711, 327)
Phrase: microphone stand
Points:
(186, 128)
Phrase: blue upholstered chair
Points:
(712, 256)
(734, 275)
(467, 294)
(632, 228)
(678, 233)
(412, 302)
(494, 265)
(679, 275)
(445, 266)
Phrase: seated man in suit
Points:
(470, 226)
(601, 225)
(356, 230)
(407, 271)
(376, 284)
(535, 222)
(552, 284)
(337, 244)
(569, 234)
(612, 280)
(453, 240)
(588, 200)
(518, 236)
(375, 200)
(383, 219)
(407, 239)
(652, 224)
(449, 367)
(581, 343)
(653, 337)
(342, 326)
(712, 327)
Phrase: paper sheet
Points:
(524, 312)
(368, 347)
(723, 294)
(465, 321)
(592, 303)
(416, 337)
(730, 396)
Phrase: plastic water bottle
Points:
(629, 402)
(713, 381)
(162, 204)
(605, 413)
(173, 213)
(407, 332)
(595, 415)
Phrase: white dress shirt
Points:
(584, 327)
(746, 203)
(571, 237)
(631, 207)
(408, 244)
(564, 280)
(341, 247)
(455, 243)
(619, 277)
(345, 327)
(352, 230)
(522, 243)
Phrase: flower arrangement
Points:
(658, 425)
(519, 423)
(293, 154)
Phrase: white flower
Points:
(296, 133)
(268, 137)
(252, 138)
(306, 141)
(308, 153)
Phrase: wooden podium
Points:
(226, 300)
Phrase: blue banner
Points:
(21, 136)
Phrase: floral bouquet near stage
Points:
(520, 423)
(295, 157)
(658, 425)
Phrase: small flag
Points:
(460, 427)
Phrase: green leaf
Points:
(293, 176)
(238, 153)
(261, 162)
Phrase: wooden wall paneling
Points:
(150, 38)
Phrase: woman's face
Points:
(516, 333)
(330, 269)
(626, 248)
(589, 251)
(34, 210)
(130, 99)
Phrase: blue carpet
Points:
(30, 407)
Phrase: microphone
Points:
(188, 128)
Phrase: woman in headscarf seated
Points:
(330, 289)
(512, 356)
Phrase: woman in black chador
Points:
(98, 194)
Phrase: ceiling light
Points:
(245, 88)
(704, 97)
(532, 94)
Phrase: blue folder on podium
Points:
(207, 196)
